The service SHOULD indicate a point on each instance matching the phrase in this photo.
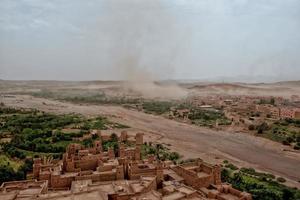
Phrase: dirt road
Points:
(191, 141)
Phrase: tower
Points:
(37, 162)
(111, 153)
(137, 152)
(122, 153)
(98, 146)
(123, 136)
(139, 139)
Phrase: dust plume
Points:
(142, 37)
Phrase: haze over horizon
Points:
(255, 41)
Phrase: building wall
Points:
(191, 178)
(98, 177)
(268, 109)
(287, 113)
(61, 182)
(36, 167)
(88, 163)
(139, 139)
(297, 114)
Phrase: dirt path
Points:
(191, 141)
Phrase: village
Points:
(73, 156)
(242, 113)
(93, 173)
(149, 100)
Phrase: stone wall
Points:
(58, 181)
(87, 163)
(191, 177)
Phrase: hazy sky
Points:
(170, 39)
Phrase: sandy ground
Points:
(190, 141)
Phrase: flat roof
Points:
(87, 195)
(174, 196)
(153, 195)
(69, 174)
(8, 196)
(202, 174)
(229, 196)
(186, 190)
(176, 177)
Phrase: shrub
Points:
(285, 142)
(297, 147)
(251, 127)
(174, 156)
(281, 180)
(88, 142)
(157, 107)
(298, 138)
(231, 166)
(290, 139)
(114, 137)
(262, 127)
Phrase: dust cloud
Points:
(145, 83)
(142, 37)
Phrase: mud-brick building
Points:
(80, 163)
(289, 112)
(199, 174)
(224, 192)
(135, 170)
(94, 174)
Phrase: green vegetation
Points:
(267, 101)
(79, 96)
(100, 99)
(187, 160)
(285, 131)
(295, 122)
(262, 186)
(36, 132)
(9, 173)
(44, 128)
(32, 133)
(100, 123)
(111, 143)
(262, 127)
(231, 166)
(160, 151)
(208, 117)
(6, 161)
(251, 171)
(280, 179)
(198, 116)
(18, 121)
(251, 127)
(157, 107)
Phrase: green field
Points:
(262, 186)
(6, 161)
(33, 133)
(285, 131)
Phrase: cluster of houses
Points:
(122, 174)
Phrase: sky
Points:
(250, 40)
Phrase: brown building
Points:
(93, 174)
(28, 189)
(199, 174)
(79, 163)
(267, 109)
(290, 112)
(224, 192)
